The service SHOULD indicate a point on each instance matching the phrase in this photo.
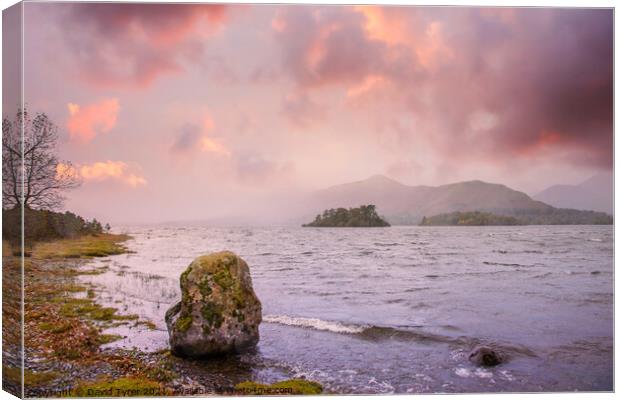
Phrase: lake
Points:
(396, 310)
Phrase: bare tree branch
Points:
(32, 175)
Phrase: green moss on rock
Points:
(212, 313)
(223, 278)
(183, 323)
(212, 263)
(205, 287)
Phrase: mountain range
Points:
(404, 204)
(595, 194)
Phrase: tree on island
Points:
(363, 216)
(31, 172)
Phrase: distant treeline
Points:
(552, 216)
(363, 216)
(562, 216)
(46, 225)
(475, 218)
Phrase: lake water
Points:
(397, 310)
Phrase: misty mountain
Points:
(405, 204)
(594, 194)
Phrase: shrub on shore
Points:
(40, 225)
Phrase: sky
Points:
(188, 111)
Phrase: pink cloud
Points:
(327, 45)
(116, 45)
(533, 71)
(102, 171)
(86, 122)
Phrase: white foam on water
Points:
(348, 371)
(482, 373)
(507, 375)
(478, 373)
(314, 323)
(382, 386)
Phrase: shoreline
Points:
(66, 325)
(138, 282)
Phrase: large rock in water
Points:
(218, 312)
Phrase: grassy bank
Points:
(65, 325)
(65, 329)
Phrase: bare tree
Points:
(31, 172)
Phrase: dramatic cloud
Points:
(249, 102)
(482, 82)
(329, 45)
(130, 45)
(103, 171)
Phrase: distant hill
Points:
(594, 194)
(402, 204)
(405, 205)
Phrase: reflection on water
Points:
(398, 309)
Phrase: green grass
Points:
(31, 378)
(86, 246)
(55, 328)
(148, 324)
(106, 338)
(88, 309)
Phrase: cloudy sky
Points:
(186, 111)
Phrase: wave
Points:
(376, 333)
(369, 332)
(387, 244)
(518, 251)
(503, 264)
(314, 323)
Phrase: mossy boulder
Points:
(219, 312)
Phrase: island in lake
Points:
(474, 218)
(551, 216)
(363, 216)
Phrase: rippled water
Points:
(397, 310)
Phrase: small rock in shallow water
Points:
(485, 357)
